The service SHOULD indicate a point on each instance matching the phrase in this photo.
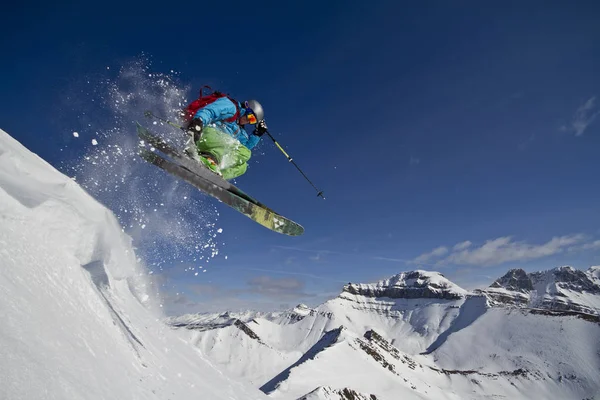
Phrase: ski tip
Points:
(297, 230)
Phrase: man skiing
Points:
(217, 129)
(216, 124)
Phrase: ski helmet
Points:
(257, 108)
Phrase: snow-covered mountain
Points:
(417, 335)
(559, 289)
(410, 285)
(77, 316)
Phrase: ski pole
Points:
(149, 114)
(319, 192)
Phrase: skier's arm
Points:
(252, 141)
(259, 130)
(219, 110)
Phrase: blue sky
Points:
(455, 137)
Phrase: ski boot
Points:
(210, 163)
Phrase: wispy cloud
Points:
(505, 249)
(525, 143)
(275, 271)
(435, 253)
(462, 245)
(278, 288)
(595, 245)
(583, 118)
(320, 254)
(591, 246)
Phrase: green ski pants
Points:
(229, 153)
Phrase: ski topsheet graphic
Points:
(199, 176)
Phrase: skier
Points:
(217, 129)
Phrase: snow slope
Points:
(415, 335)
(77, 314)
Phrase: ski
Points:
(197, 175)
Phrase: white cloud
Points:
(504, 249)
(462, 245)
(591, 246)
(438, 252)
(595, 245)
(583, 118)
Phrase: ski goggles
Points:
(250, 115)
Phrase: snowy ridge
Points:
(204, 321)
(327, 340)
(78, 319)
(559, 289)
(410, 285)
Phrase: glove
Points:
(194, 128)
(261, 128)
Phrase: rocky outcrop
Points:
(513, 288)
(376, 346)
(246, 329)
(328, 393)
(298, 313)
(515, 280)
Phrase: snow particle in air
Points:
(76, 134)
(94, 142)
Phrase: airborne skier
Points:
(216, 124)
(218, 151)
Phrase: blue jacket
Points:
(218, 111)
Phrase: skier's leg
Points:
(213, 142)
(229, 153)
(234, 163)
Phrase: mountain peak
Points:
(302, 310)
(515, 279)
(410, 285)
(562, 288)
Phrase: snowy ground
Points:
(78, 320)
